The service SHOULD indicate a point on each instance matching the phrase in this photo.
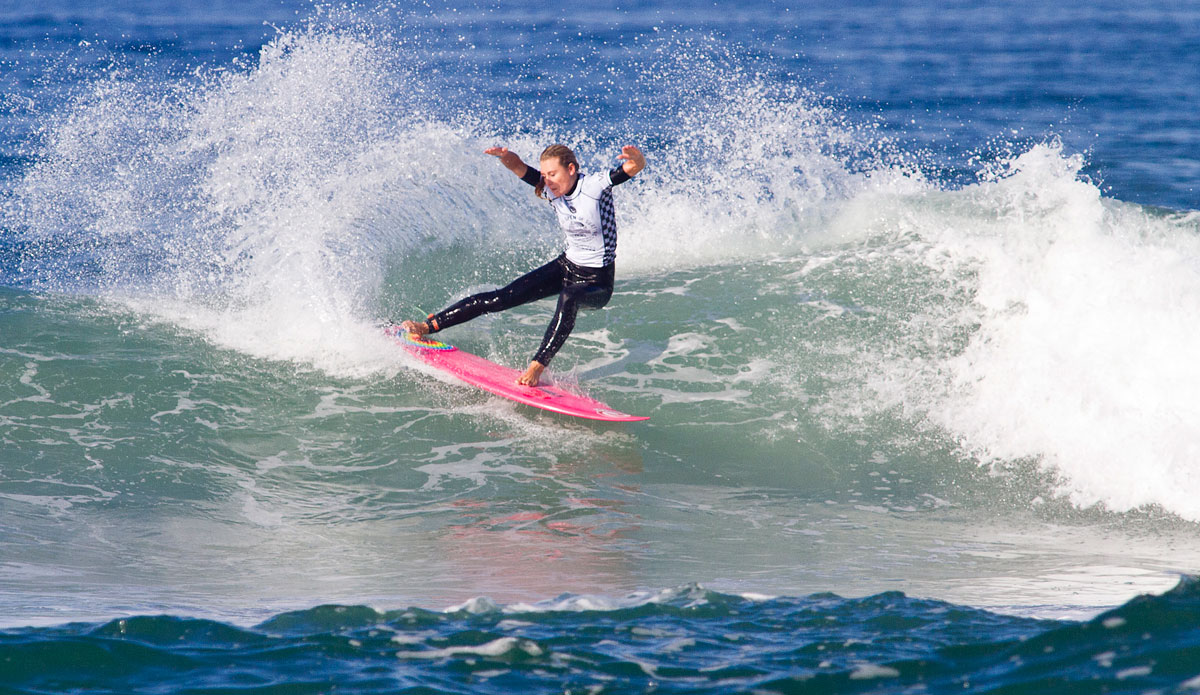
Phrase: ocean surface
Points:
(910, 290)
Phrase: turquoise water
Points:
(910, 303)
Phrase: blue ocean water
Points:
(909, 290)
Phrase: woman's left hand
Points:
(635, 161)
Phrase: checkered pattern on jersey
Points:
(608, 226)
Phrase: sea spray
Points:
(262, 205)
(256, 205)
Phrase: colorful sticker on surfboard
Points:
(414, 340)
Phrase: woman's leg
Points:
(537, 284)
(592, 292)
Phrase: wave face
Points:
(283, 207)
(911, 343)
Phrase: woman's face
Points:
(559, 179)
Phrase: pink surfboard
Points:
(502, 381)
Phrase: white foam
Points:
(872, 671)
(495, 648)
(1088, 315)
(1190, 684)
(1135, 672)
(477, 605)
(695, 594)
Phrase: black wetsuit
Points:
(586, 216)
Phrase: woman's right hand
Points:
(508, 159)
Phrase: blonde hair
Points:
(565, 158)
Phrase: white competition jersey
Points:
(586, 217)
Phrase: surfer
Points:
(582, 275)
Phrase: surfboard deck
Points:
(502, 381)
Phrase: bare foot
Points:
(415, 327)
(532, 375)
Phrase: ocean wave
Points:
(786, 268)
(686, 639)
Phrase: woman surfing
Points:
(582, 276)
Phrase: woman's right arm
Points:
(512, 161)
